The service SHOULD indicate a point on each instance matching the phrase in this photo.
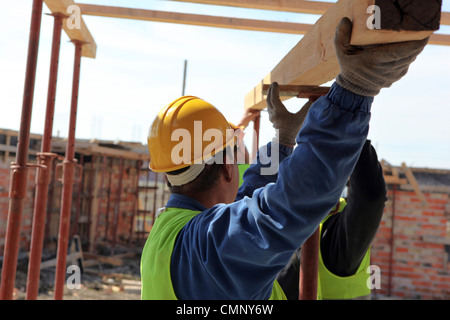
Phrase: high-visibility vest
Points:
(242, 167)
(331, 286)
(157, 253)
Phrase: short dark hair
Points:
(207, 179)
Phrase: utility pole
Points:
(184, 77)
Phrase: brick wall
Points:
(420, 267)
(91, 204)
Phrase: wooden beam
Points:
(413, 182)
(296, 6)
(89, 49)
(313, 60)
(298, 91)
(394, 180)
(195, 19)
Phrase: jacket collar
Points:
(184, 202)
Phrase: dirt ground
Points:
(102, 281)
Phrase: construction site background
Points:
(116, 196)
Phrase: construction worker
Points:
(206, 245)
(345, 236)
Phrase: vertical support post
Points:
(45, 157)
(255, 146)
(117, 206)
(184, 78)
(68, 181)
(19, 171)
(309, 267)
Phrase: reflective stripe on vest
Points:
(157, 253)
(332, 286)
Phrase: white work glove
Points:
(286, 124)
(365, 70)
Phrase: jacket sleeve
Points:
(235, 251)
(253, 179)
(352, 231)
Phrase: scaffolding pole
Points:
(68, 181)
(19, 169)
(45, 158)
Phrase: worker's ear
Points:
(227, 171)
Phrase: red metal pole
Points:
(19, 173)
(45, 158)
(309, 267)
(68, 181)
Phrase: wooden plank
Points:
(298, 91)
(194, 19)
(413, 182)
(52, 262)
(313, 60)
(296, 6)
(89, 49)
(394, 180)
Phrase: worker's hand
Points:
(365, 70)
(249, 115)
(287, 124)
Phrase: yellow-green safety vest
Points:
(156, 281)
(331, 286)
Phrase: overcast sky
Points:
(139, 69)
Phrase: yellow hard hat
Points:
(187, 131)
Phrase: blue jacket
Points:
(235, 251)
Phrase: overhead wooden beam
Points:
(296, 6)
(313, 60)
(194, 19)
(89, 49)
(210, 21)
